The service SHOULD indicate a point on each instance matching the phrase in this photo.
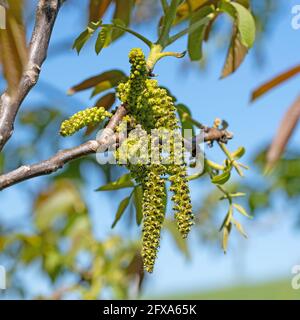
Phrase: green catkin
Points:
(151, 108)
(82, 119)
(179, 186)
(153, 215)
(181, 199)
(160, 105)
(130, 91)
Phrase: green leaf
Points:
(246, 25)
(81, 40)
(245, 21)
(103, 39)
(236, 54)
(222, 178)
(239, 153)
(168, 21)
(237, 194)
(120, 26)
(138, 203)
(122, 207)
(240, 228)
(242, 210)
(196, 36)
(123, 182)
(226, 233)
(227, 219)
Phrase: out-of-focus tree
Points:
(58, 235)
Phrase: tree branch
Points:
(48, 166)
(106, 139)
(63, 157)
(11, 100)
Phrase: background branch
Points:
(283, 135)
(12, 98)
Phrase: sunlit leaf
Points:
(236, 54)
(226, 233)
(107, 80)
(239, 153)
(240, 228)
(195, 37)
(222, 178)
(244, 21)
(241, 210)
(104, 39)
(82, 39)
(227, 219)
(246, 25)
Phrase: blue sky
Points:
(271, 249)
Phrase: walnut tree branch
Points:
(106, 139)
(63, 157)
(11, 100)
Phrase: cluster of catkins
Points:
(151, 108)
